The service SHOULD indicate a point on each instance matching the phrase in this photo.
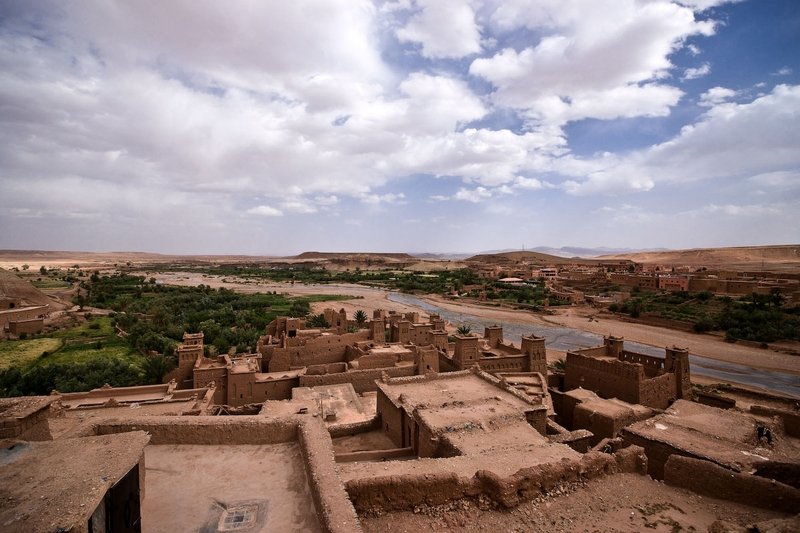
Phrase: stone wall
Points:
(401, 492)
(362, 380)
(608, 378)
(658, 392)
(704, 477)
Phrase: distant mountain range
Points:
(564, 251)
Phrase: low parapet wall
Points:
(791, 419)
(401, 492)
(713, 480)
(334, 510)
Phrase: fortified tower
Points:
(188, 352)
(466, 351)
(676, 361)
(533, 347)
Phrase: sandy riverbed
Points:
(370, 299)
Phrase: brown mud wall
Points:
(206, 430)
(401, 492)
(791, 420)
(362, 380)
(347, 430)
(713, 480)
(334, 510)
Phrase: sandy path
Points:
(369, 299)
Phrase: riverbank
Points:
(587, 319)
(580, 318)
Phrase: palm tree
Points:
(360, 317)
(463, 329)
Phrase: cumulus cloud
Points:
(590, 50)
(264, 211)
(731, 140)
(716, 95)
(296, 111)
(478, 194)
(696, 72)
(443, 28)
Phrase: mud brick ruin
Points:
(323, 427)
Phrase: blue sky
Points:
(412, 125)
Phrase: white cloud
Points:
(730, 141)
(387, 198)
(265, 211)
(715, 96)
(475, 195)
(299, 206)
(696, 72)
(444, 28)
(591, 51)
(693, 49)
(528, 183)
(785, 71)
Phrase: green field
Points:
(22, 353)
(50, 283)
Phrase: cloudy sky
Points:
(274, 127)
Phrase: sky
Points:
(441, 126)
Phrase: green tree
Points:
(360, 317)
(464, 329)
(156, 367)
(318, 321)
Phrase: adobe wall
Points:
(519, 363)
(243, 389)
(334, 509)
(219, 375)
(446, 364)
(704, 477)
(315, 351)
(608, 378)
(362, 380)
(24, 313)
(402, 492)
(657, 452)
(392, 418)
(597, 351)
(32, 427)
(28, 326)
(658, 392)
(652, 365)
(791, 419)
(381, 360)
(204, 430)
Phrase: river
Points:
(562, 338)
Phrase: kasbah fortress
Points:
(398, 423)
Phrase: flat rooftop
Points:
(465, 388)
(46, 486)
(726, 437)
(253, 488)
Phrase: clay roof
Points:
(25, 406)
(725, 437)
(57, 485)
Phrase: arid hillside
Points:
(775, 258)
(12, 286)
(529, 257)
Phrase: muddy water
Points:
(561, 338)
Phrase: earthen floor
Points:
(198, 487)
